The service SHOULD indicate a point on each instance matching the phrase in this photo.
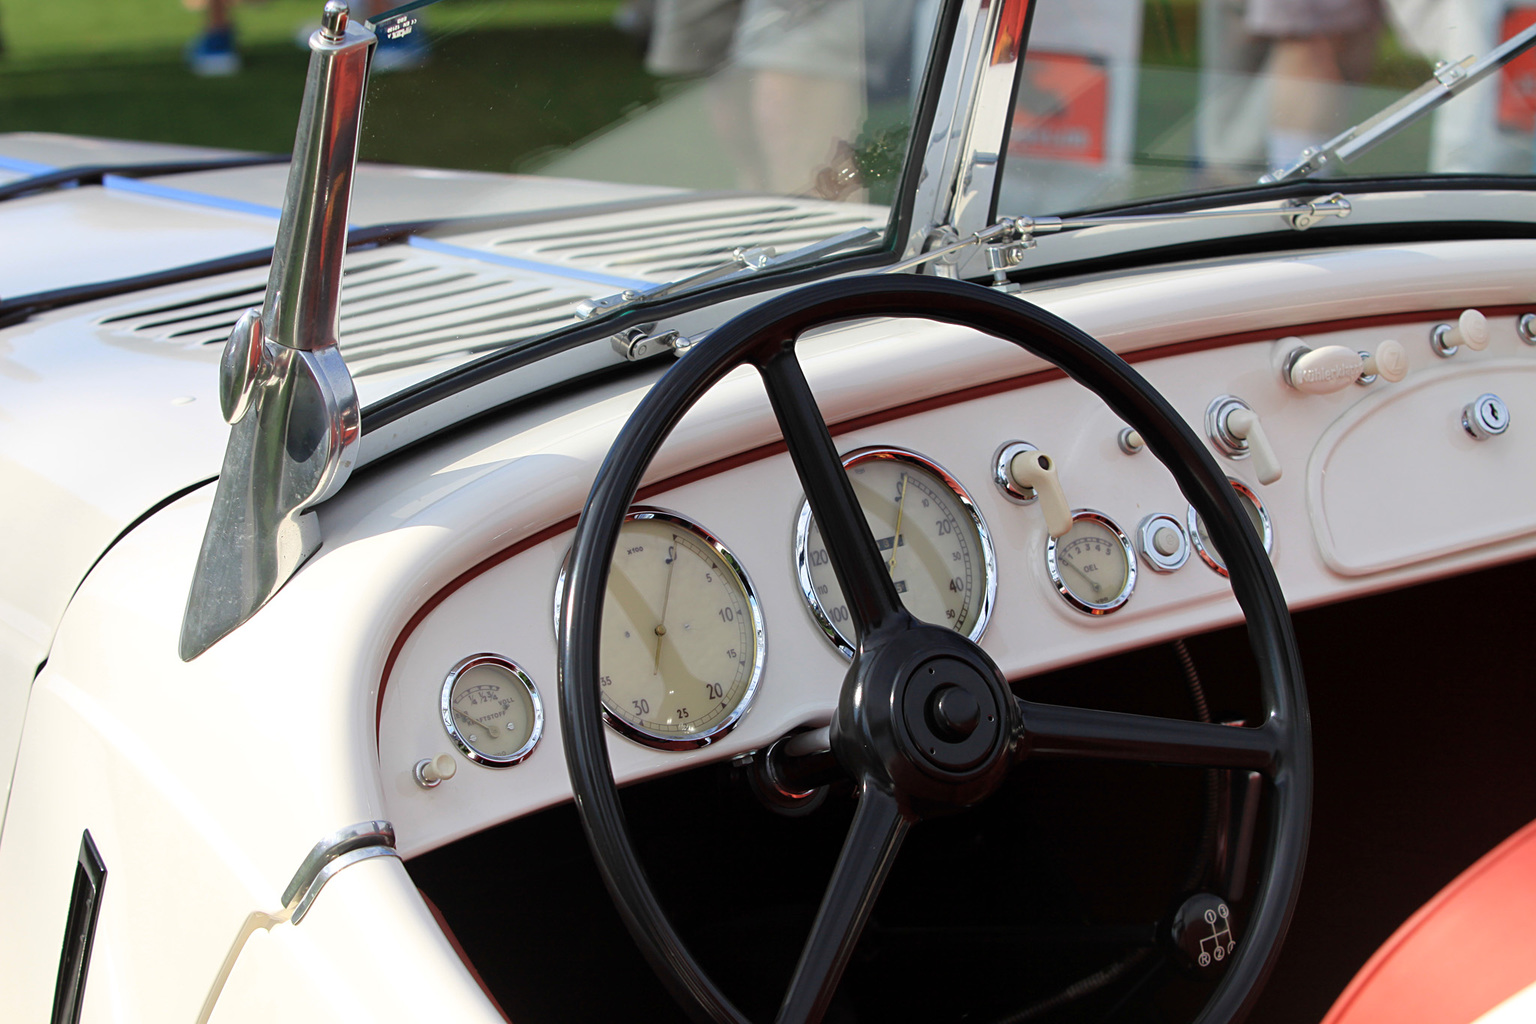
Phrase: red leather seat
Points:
(1463, 953)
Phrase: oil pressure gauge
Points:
(492, 711)
(1092, 564)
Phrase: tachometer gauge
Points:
(1258, 515)
(682, 639)
(934, 542)
(492, 711)
(1092, 564)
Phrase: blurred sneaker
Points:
(212, 54)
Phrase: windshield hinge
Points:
(1303, 213)
(639, 342)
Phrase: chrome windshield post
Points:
(963, 153)
(285, 390)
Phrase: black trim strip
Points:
(1328, 236)
(79, 932)
(494, 364)
(92, 174)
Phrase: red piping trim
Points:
(910, 409)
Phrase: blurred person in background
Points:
(214, 54)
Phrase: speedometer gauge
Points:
(682, 638)
(933, 540)
(1092, 564)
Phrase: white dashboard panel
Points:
(1341, 501)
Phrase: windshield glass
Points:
(1123, 100)
(802, 99)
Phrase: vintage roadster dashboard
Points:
(725, 635)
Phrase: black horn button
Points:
(952, 717)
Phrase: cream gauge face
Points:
(935, 545)
(1092, 565)
(492, 710)
(1258, 516)
(682, 635)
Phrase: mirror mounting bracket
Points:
(285, 390)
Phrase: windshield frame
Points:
(941, 116)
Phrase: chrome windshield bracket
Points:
(1305, 214)
(644, 341)
(284, 388)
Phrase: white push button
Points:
(1470, 329)
(440, 769)
(1166, 541)
(1389, 362)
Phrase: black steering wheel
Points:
(905, 767)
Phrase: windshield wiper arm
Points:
(743, 259)
(1449, 79)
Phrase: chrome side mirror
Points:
(283, 386)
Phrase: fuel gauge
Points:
(1092, 564)
(492, 710)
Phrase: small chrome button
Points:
(1164, 544)
(1486, 416)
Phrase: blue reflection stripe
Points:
(27, 167)
(554, 269)
(182, 195)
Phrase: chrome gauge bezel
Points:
(1126, 550)
(803, 537)
(759, 633)
(1192, 521)
(445, 709)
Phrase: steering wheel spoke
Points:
(1052, 730)
(879, 826)
(861, 572)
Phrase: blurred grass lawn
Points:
(114, 68)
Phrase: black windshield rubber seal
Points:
(495, 364)
(1313, 188)
(1330, 236)
(93, 174)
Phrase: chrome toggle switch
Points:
(1235, 430)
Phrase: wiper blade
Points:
(743, 260)
(1448, 81)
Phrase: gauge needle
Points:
(666, 601)
(490, 730)
(901, 506)
(1095, 586)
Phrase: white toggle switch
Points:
(1320, 371)
(1235, 430)
(1470, 329)
(1389, 362)
(440, 769)
(1245, 425)
(1037, 471)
